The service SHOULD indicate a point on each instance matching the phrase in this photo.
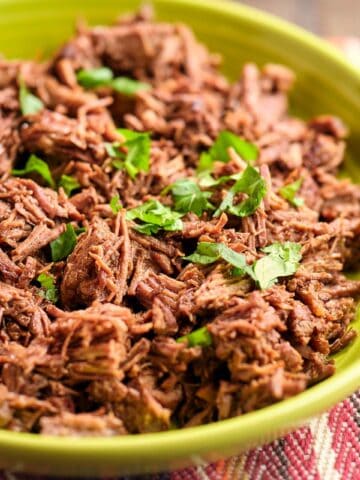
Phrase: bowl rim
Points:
(206, 438)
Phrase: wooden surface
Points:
(324, 17)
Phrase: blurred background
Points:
(325, 17)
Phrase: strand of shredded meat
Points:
(104, 359)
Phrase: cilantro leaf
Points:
(35, 165)
(79, 230)
(64, 244)
(115, 204)
(219, 151)
(94, 77)
(104, 77)
(128, 86)
(209, 252)
(251, 183)
(206, 180)
(49, 290)
(198, 338)
(282, 260)
(288, 192)
(205, 253)
(69, 184)
(137, 157)
(155, 216)
(29, 103)
(188, 197)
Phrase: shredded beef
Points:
(103, 349)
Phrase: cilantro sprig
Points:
(48, 287)
(188, 197)
(154, 217)
(62, 246)
(35, 165)
(289, 191)
(282, 260)
(219, 151)
(210, 252)
(104, 77)
(29, 103)
(115, 204)
(253, 185)
(133, 154)
(69, 184)
(197, 338)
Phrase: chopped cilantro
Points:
(154, 217)
(133, 154)
(104, 77)
(49, 290)
(64, 244)
(198, 338)
(36, 165)
(115, 204)
(29, 103)
(253, 185)
(289, 193)
(219, 151)
(188, 197)
(282, 260)
(69, 184)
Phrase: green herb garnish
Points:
(64, 244)
(94, 77)
(188, 197)
(69, 184)
(115, 204)
(253, 185)
(289, 193)
(155, 216)
(128, 86)
(137, 156)
(29, 103)
(104, 77)
(49, 290)
(35, 165)
(282, 260)
(206, 180)
(209, 252)
(79, 230)
(219, 151)
(198, 338)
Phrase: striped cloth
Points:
(327, 448)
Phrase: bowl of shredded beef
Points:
(174, 246)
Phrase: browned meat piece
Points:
(330, 125)
(21, 308)
(88, 344)
(19, 412)
(92, 270)
(55, 136)
(8, 269)
(38, 238)
(82, 425)
(9, 121)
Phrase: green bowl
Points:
(326, 83)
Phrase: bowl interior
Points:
(325, 84)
